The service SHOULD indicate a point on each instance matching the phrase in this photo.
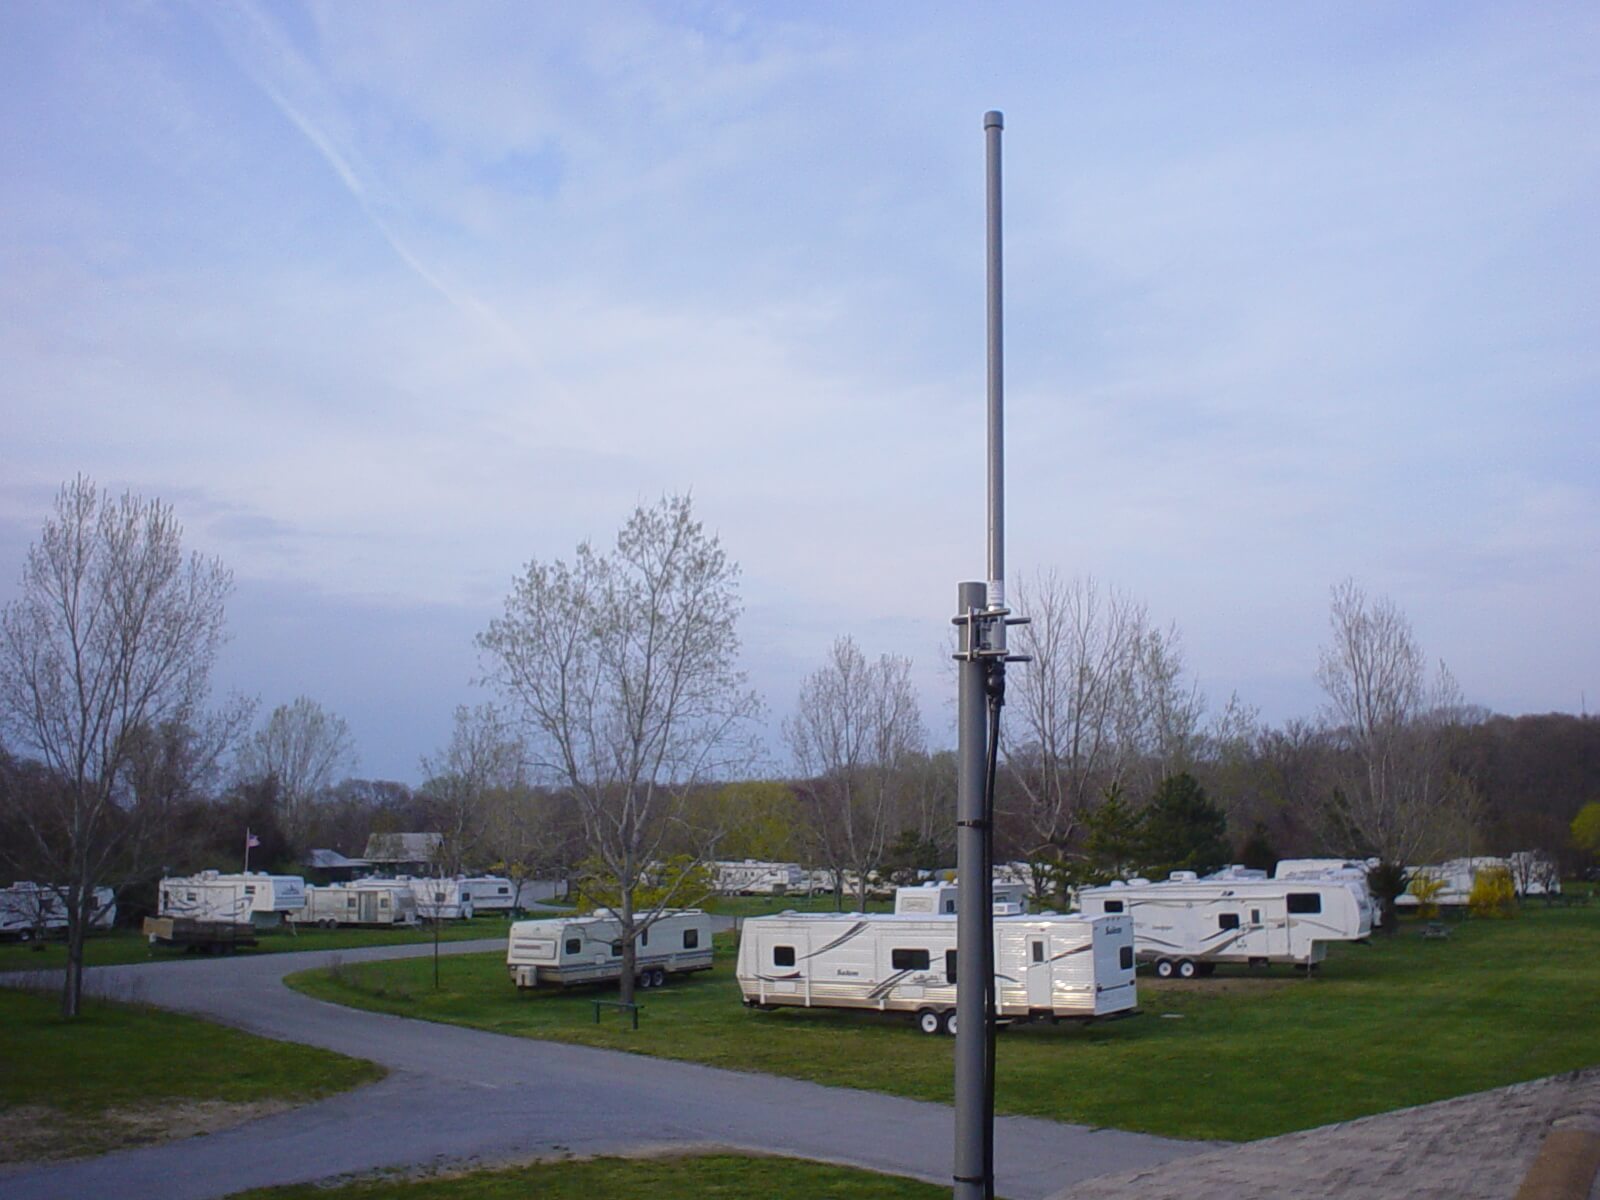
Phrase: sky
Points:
(388, 300)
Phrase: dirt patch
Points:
(36, 1132)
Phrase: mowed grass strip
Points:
(120, 946)
(120, 1065)
(718, 1176)
(1239, 1056)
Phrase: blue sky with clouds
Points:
(387, 299)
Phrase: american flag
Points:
(250, 840)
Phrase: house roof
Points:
(331, 860)
(403, 847)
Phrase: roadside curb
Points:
(1568, 1161)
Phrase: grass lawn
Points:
(129, 945)
(714, 1176)
(105, 1079)
(1399, 1022)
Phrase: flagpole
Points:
(247, 849)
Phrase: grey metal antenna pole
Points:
(974, 927)
(983, 652)
(993, 123)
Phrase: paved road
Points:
(462, 1095)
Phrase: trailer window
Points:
(644, 936)
(783, 956)
(691, 939)
(1038, 951)
(909, 960)
(249, 889)
(1255, 916)
(1125, 958)
(949, 966)
(574, 946)
(949, 906)
(616, 949)
(1305, 902)
(1227, 920)
(1113, 906)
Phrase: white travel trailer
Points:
(255, 899)
(752, 878)
(29, 910)
(1051, 967)
(364, 902)
(1185, 926)
(440, 899)
(571, 950)
(1531, 874)
(490, 893)
(1349, 872)
(934, 897)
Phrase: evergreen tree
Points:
(1183, 830)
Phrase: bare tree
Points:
(1072, 703)
(306, 749)
(109, 643)
(622, 668)
(484, 755)
(853, 732)
(1393, 724)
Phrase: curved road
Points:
(458, 1095)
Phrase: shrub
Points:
(1426, 889)
(1492, 894)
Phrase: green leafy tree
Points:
(1586, 829)
(1183, 830)
(681, 881)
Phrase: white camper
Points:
(1051, 967)
(364, 902)
(253, 898)
(934, 897)
(1531, 874)
(748, 877)
(30, 910)
(490, 893)
(571, 950)
(1185, 926)
(440, 899)
(1351, 873)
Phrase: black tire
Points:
(643, 980)
(929, 1021)
(1164, 968)
(658, 978)
(1187, 968)
(948, 1022)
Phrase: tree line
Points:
(621, 748)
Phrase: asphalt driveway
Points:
(458, 1095)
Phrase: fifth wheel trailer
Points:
(1185, 926)
(573, 950)
(1044, 966)
(252, 898)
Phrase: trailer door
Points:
(1040, 993)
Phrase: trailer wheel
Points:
(643, 980)
(929, 1021)
(658, 978)
(1187, 968)
(1164, 968)
(949, 1022)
